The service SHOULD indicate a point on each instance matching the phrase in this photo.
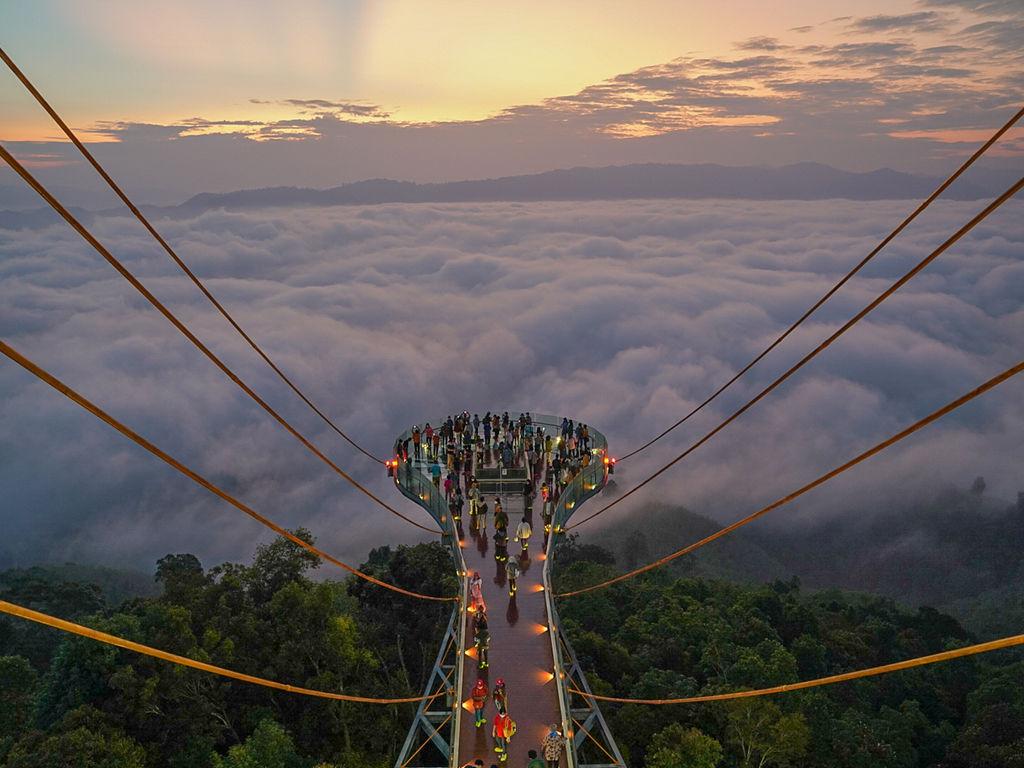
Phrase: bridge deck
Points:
(520, 649)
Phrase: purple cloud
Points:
(620, 314)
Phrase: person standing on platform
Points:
(459, 503)
(552, 746)
(500, 696)
(500, 546)
(482, 521)
(523, 533)
(435, 474)
(503, 728)
(512, 571)
(535, 762)
(479, 697)
(476, 593)
(481, 639)
(500, 516)
(416, 436)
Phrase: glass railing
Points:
(588, 481)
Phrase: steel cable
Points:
(980, 217)
(934, 416)
(136, 438)
(173, 319)
(94, 634)
(845, 279)
(170, 251)
(920, 661)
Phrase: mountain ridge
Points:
(800, 181)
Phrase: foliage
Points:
(84, 739)
(62, 694)
(678, 747)
(664, 637)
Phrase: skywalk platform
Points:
(526, 649)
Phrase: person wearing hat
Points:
(500, 696)
(479, 697)
(503, 728)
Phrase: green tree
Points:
(679, 747)
(36, 589)
(764, 736)
(84, 739)
(182, 577)
(269, 746)
(280, 562)
(18, 682)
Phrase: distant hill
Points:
(115, 584)
(662, 528)
(960, 552)
(802, 181)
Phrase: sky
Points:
(623, 314)
(189, 96)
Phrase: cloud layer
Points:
(624, 315)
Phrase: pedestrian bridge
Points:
(527, 646)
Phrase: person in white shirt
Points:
(523, 533)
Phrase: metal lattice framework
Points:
(432, 741)
(433, 738)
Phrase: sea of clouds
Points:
(621, 314)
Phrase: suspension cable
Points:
(173, 319)
(436, 730)
(845, 279)
(94, 634)
(136, 438)
(934, 416)
(989, 209)
(920, 661)
(170, 251)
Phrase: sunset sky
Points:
(339, 91)
(419, 61)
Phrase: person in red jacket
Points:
(502, 729)
(479, 697)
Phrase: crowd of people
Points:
(452, 453)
